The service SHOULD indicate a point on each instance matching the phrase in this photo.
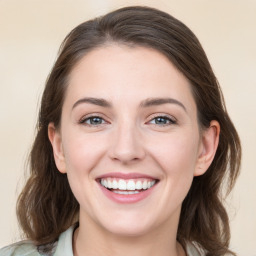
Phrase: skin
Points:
(129, 138)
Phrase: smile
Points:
(127, 188)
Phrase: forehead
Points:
(123, 72)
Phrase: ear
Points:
(208, 147)
(56, 141)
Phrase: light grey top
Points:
(61, 248)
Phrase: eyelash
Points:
(167, 119)
(90, 118)
(101, 121)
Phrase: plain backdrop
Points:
(30, 35)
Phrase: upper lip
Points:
(126, 176)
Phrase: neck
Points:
(91, 240)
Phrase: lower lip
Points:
(127, 199)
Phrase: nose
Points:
(126, 145)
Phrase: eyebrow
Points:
(160, 101)
(144, 104)
(94, 101)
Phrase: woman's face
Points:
(129, 139)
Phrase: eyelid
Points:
(83, 119)
(172, 119)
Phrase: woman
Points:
(133, 144)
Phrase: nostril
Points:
(126, 144)
(128, 154)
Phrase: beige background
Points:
(30, 34)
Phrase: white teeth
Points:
(110, 184)
(130, 185)
(139, 185)
(124, 185)
(145, 184)
(114, 184)
(125, 192)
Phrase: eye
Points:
(93, 121)
(162, 120)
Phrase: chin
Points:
(129, 225)
(129, 230)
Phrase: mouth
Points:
(127, 186)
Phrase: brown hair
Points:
(46, 206)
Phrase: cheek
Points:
(82, 155)
(177, 158)
(178, 161)
(177, 155)
(82, 151)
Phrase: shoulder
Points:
(193, 249)
(24, 248)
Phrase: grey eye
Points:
(93, 120)
(162, 120)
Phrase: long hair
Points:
(46, 206)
